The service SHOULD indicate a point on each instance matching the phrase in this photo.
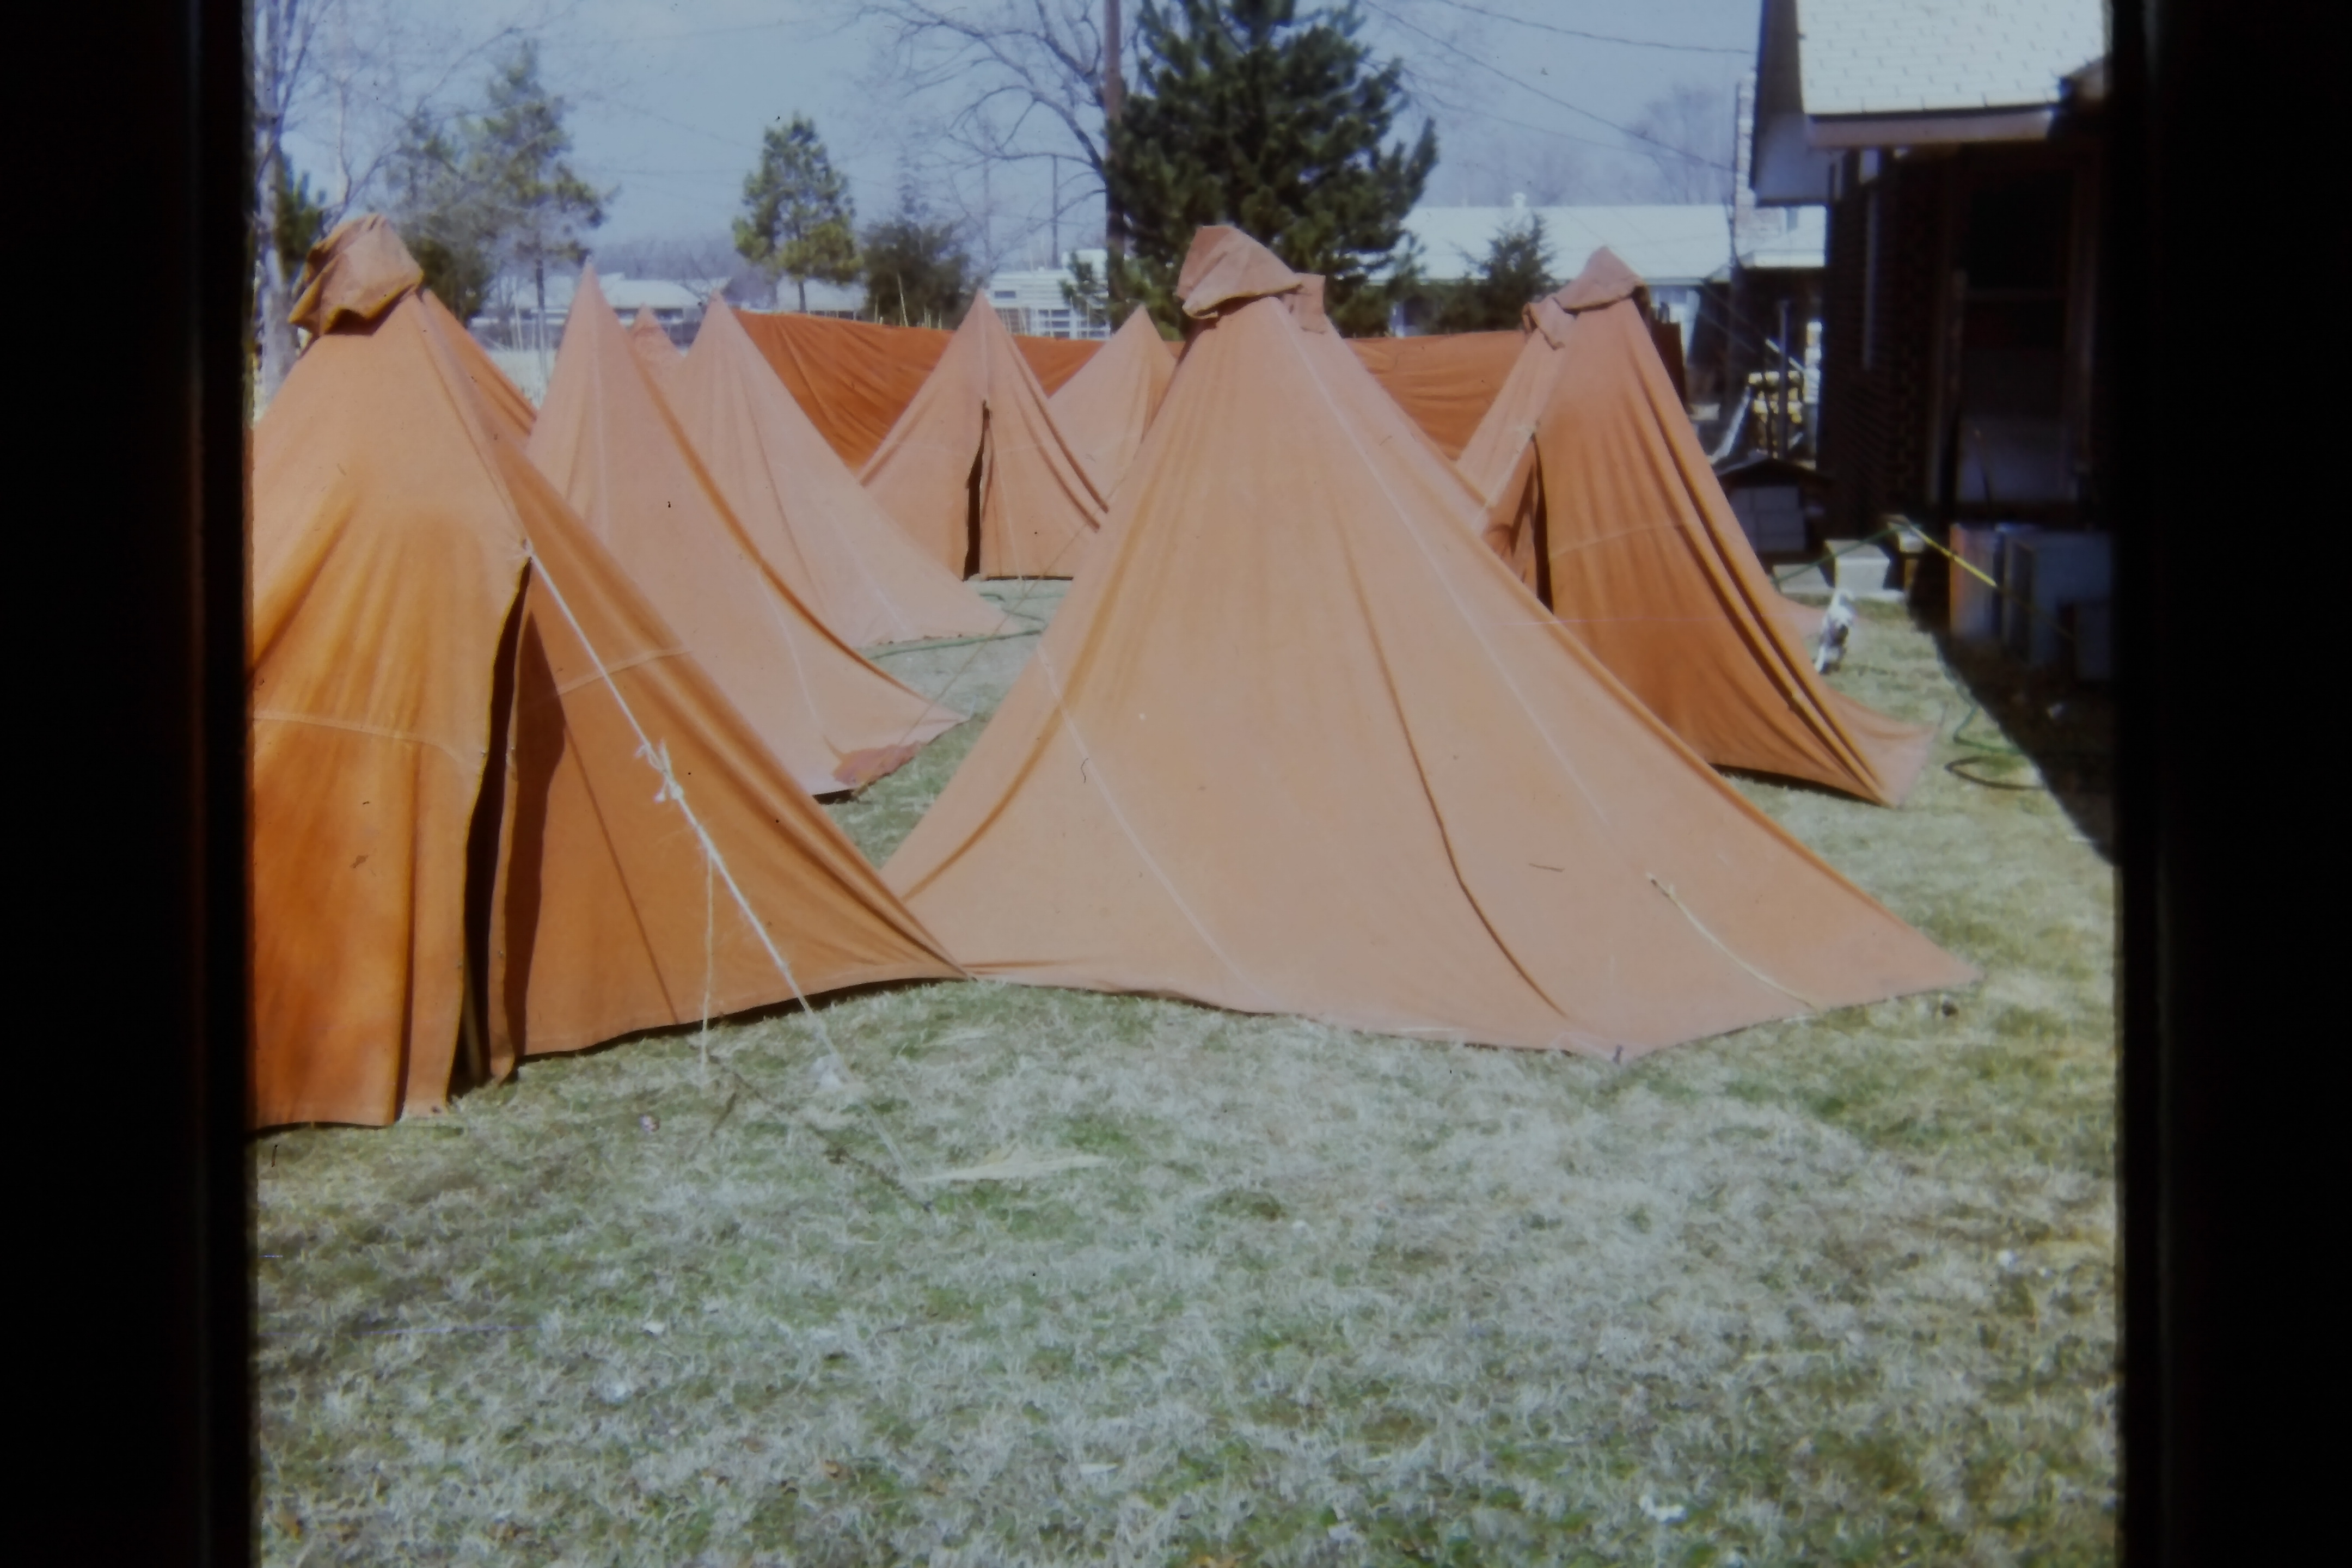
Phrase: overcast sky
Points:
(668, 98)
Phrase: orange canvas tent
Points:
(617, 453)
(977, 471)
(1298, 743)
(651, 341)
(482, 769)
(1500, 466)
(852, 379)
(1609, 511)
(1102, 411)
(841, 554)
(1445, 381)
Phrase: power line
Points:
(1528, 87)
(1617, 147)
(1596, 37)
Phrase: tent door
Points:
(472, 1064)
(1538, 536)
(975, 490)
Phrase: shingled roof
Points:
(1897, 57)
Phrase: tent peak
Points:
(1604, 280)
(354, 274)
(1226, 267)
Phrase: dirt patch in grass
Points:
(1836, 1290)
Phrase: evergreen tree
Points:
(918, 272)
(520, 144)
(1247, 114)
(481, 193)
(796, 220)
(1515, 273)
(447, 214)
(1087, 291)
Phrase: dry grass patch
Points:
(1838, 1290)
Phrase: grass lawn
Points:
(1832, 1291)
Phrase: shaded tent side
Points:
(1499, 466)
(1610, 510)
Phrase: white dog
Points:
(1837, 627)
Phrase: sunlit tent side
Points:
(617, 453)
(1445, 381)
(458, 704)
(1104, 409)
(852, 379)
(511, 411)
(1294, 743)
(1643, 558)
(1500, 464)
(813, 522)
(976, 470)
(650, 340)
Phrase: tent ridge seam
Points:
(1811, 1005)
(410, 737)
(632, 662)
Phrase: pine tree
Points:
(521, 144)
(1087, 291)
(796, 220)
(478, 192)
(918, 272)
(447, 214)
(1247, 114)
(1515, 273)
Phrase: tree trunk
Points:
(273, 299)
(803, 285)
(1114, 95)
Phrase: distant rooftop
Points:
(1803, 243)
(626, 294)
(629, 295)
(1668, 245)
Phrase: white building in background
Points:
(840, 300)
(677, 304)
(1679, 251)
(1030, 303)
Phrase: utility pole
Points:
(1780, 441)
(1114, 95)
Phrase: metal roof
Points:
(1804, 243)
(1899, 56)
(628, 295)
(1667, 244)
(624, 293)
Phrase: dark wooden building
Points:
(1959, 153)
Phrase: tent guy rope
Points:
(657, 758)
